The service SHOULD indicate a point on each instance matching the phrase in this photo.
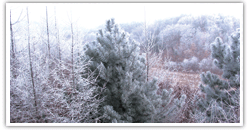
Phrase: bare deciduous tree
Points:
(14, 60)
(57, 39)
(31, 68)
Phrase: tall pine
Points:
(121, 72)
(222, 96)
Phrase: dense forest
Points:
(183, 69)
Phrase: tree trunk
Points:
(147, 46)
(57, 38)
(72, 55)
(31, 69)
(13, 55)
(12, 39)
(47, 23)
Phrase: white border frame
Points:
(115, 124)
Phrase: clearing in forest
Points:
(176, 78)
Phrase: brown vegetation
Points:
(177, 78)
(183, 83)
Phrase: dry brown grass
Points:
(176, 78)
(182, 83)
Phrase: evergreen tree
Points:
(121, 71)
(221, 103)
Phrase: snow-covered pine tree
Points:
(222, 96)
(121, 71)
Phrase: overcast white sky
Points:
(91, 15)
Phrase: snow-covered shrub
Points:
(71, 104)
(21, 101)
(191, 64)
(171, 65)
(207, 65)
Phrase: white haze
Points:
(90, 15)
